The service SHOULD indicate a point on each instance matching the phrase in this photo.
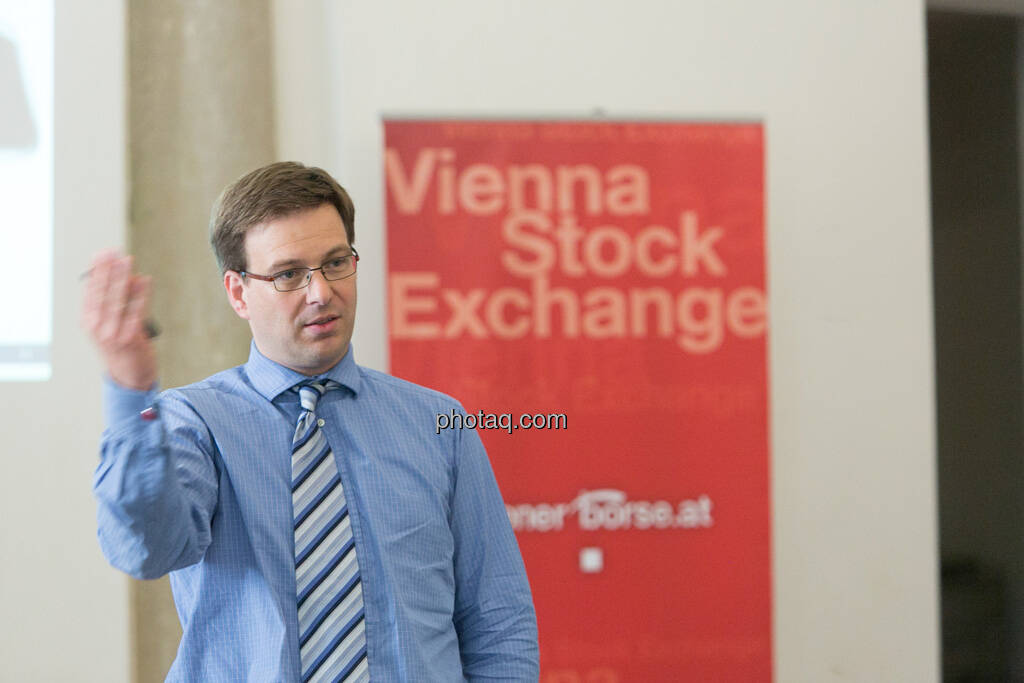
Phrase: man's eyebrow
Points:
(340, 250)
(278, 266)
(284, 265)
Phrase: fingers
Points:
(113, 303)
(116, 301)
(136, 310)
(97, 278)
(114, 313)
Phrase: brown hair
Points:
(268, 193)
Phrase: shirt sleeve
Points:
(494, 614)
(156, 483)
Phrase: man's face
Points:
(309, 329)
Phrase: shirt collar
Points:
(271, 379)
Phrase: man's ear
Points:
(235, 288)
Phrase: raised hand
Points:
(114, 314)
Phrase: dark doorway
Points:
(973, 77)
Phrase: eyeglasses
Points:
(338, 268)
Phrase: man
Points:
(313, 525)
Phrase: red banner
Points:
(606, 281)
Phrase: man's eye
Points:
(339, 262)
(287, 275)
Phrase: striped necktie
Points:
(332, 641)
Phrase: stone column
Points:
(201, 113)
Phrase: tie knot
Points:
(310, 392)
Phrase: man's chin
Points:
(325, 353)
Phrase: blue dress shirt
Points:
(204, 492)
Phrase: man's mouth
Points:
(322, 324)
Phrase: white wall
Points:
(65, 612)
(840, 87)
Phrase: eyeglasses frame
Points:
(309, 274)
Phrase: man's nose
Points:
(319, 289)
